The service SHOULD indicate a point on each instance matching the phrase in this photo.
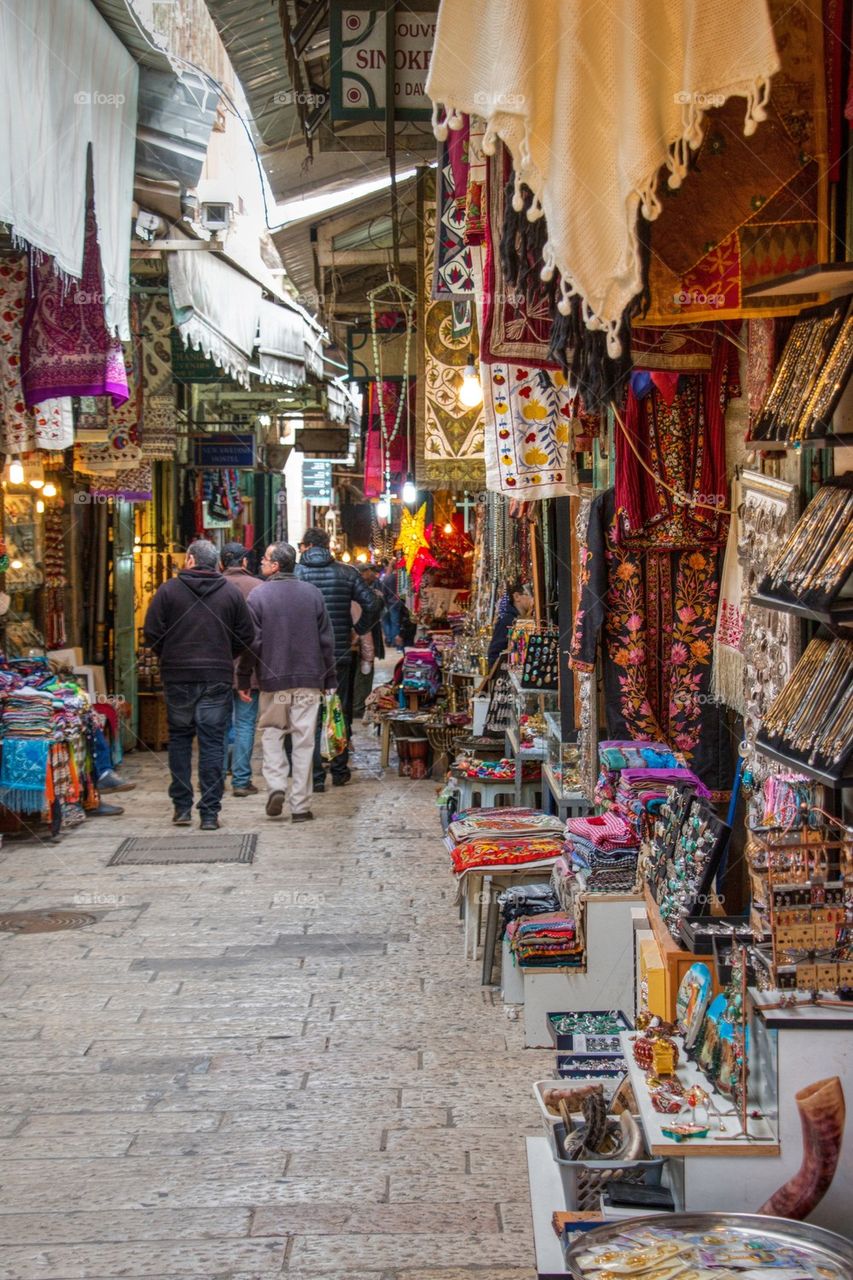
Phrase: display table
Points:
(663, 963)
(604, 981)
(525, 793)
(546, 1197)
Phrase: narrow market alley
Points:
(243, 1070)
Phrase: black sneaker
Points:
(319, 788)
(275, 804)
(306, 816)
(182, 819)
(209, 824)
(342, 780)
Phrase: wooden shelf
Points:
(718, 1143)
(838, 615)
(826, 277)
(675, 959)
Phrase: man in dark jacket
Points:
(197, 624)
(294, 653)
(244, 713)
(340, 585)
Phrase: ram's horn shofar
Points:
(822, 1114)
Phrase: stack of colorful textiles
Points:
(526, 900)
(44, 724)
(614, 756)
(545, 941)
(479, 823)
(507, 851)
(642, 791)
(603, 852)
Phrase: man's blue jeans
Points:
(197, 709)
(391, 620)
(245, 719)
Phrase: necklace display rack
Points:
(810, 380)
(812, 573)
(809, 727)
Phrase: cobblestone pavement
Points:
(242, 1071)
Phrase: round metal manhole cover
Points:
(44, 921)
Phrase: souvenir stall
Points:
(681, 438)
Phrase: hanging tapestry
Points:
(752, 208)
(528, 416)
(123, 421)
(133, 485)
(49, 425)
(674, 439)
(475, 192)
(517, 314)
(158, 406)
(66, 348)
(374, 448)
(654, 611)
(454, 269)
(449, 435)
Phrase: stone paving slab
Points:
(284, 1069)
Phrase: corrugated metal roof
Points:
(251, 32)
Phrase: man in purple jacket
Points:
(294, 653)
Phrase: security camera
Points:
(216, 215)
(149, 225)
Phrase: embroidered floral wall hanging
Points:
(529, 416)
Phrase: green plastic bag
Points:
(333, 733)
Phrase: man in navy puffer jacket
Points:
(340, 585)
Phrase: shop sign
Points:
(189, 365)
(224, 451)
(358, 59)
(317, 481)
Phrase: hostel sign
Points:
(359, 59)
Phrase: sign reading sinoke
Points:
(359, 60)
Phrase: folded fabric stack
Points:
(476, 823)
(545, 941)
(506, 851)
(42, 721)
(527, 900)
(642, 791)
(614, 756)
(603, 852)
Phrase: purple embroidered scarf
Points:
(66, 349)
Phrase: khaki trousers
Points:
(294, 712)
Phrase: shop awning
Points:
(283, 334)
(68, 84)
(216, 309)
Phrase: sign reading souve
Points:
(359, 56)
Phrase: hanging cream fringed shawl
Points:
(592, 99)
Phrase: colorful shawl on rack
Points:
(23, 774)
(449, 451)
(66, 348)
(49, 425)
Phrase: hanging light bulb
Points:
(49, 490)
(361, 558)
(346, 557)
(410, 493)
(264, 420)
(16, 564)
(37, 482)
(448, 528)
(471, 392)
(16, 472)
(40, 506)
(383, 508)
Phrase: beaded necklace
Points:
(407, 300)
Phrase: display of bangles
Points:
(812, 719)
(816, 560)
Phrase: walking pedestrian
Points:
(392, 618)
(366, 649)
(294, 652)
(340, 585)
(244, 712)
(197, 624)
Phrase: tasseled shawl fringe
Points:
(579, 351)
